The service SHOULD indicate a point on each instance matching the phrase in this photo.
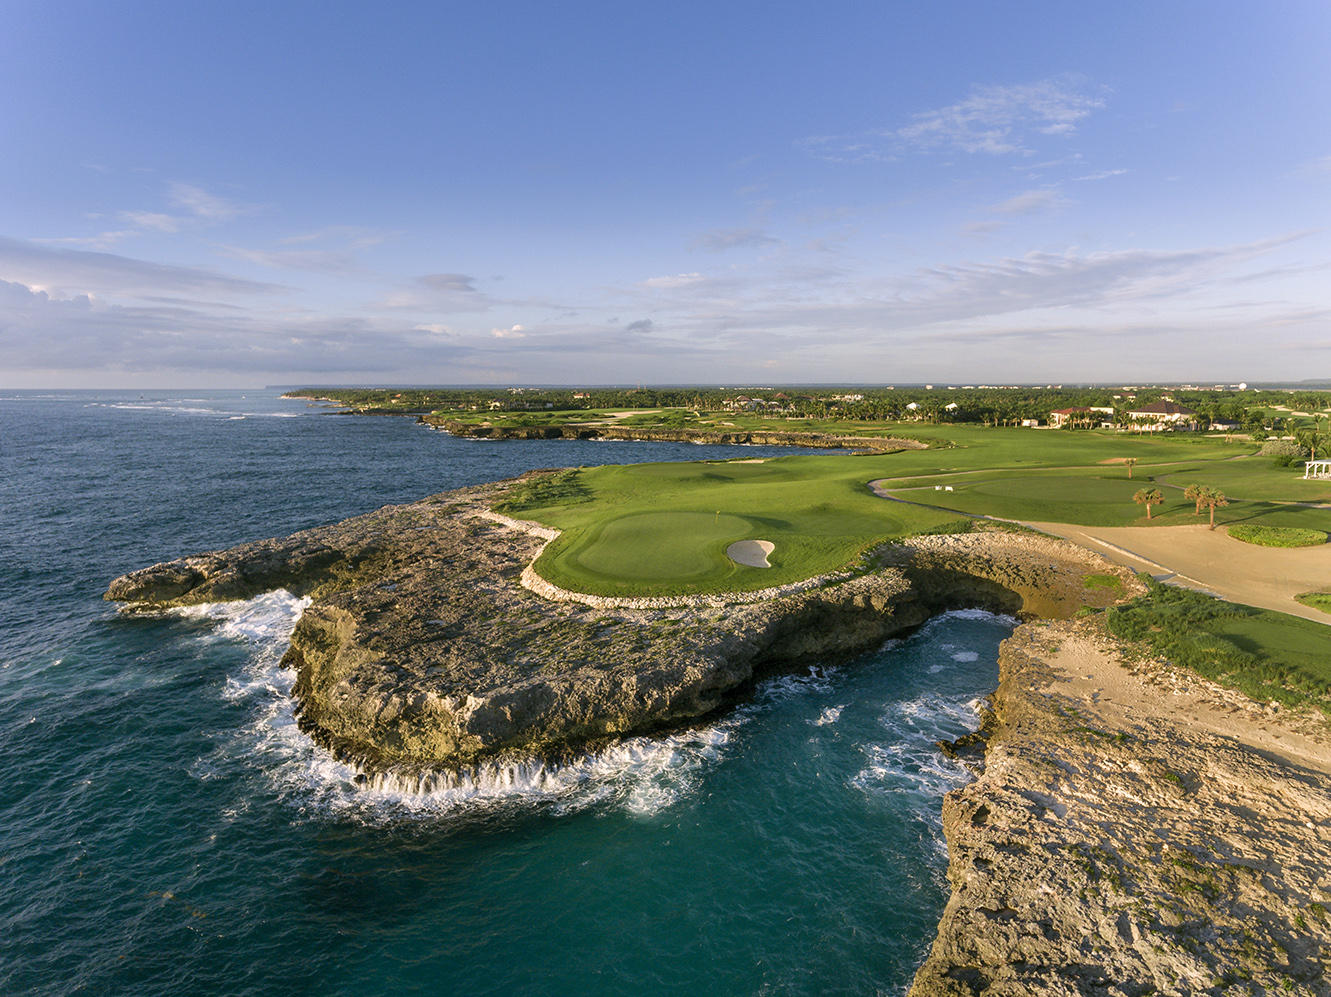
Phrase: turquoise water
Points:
(165, 829)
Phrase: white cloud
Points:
(995, 120)
(449, 282)
(71, 271)
(201, 203)
(675, 280)
(732, 238)
(315, 260)
(1101, 175)
(513, 332)
(46, 332)
(1029, 202)
(349, 236)
(153, 220)
(434, 328)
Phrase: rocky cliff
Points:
(1134, 831)
(422, 652)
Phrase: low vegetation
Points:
(1317, 600)
(559, 488)
(1277, 536)
(1264, 654)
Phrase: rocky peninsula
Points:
(1131, 830)
(424, 654)
(668, 434)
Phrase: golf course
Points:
(656, 529)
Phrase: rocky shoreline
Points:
(738, 437)
(1133, 831)
(422, 652)
(1110, 844)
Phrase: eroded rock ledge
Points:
(421, 652)
(1135, 830)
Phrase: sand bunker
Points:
(751, 553)
(1268, 577)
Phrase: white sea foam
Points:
(908, 761)
(828, 716)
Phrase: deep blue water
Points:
(165, 829)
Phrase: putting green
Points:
(660, 546)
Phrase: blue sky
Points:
(236, 194)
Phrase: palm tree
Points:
(1213, 498)
(1193, 493)
(1148, 497)
(1130, 461)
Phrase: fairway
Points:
(658, 529)
(651, 529)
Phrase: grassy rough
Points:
(1264, 654)
(1276, 536)
(1317, 600)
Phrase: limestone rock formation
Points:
(1127, 838)
(422, 652)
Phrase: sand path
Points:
(1195, 556)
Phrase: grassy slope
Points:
(1265, 654)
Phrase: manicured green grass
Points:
(653, 529)
(1317, 600)
(1267, 655)
(1276, 536)
(649, 529)
(1254, 478)
(1095, 496)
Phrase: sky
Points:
(239, 194)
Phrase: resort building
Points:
(1082, 415)
(1163, 415)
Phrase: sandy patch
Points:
(1138, 698)
(749, 460)
(1195, 556)
(751, 553)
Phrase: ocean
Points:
(165, 829)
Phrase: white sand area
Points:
(1197, 557)
(751, 553)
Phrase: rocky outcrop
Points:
(1126, 837)
(756, 437)
(422, 652)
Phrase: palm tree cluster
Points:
(1203, 497)
(1208, 497)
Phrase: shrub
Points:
(1317, 600)
(1285, 452)
(1276, 536)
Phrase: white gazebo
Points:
(1317, 468)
